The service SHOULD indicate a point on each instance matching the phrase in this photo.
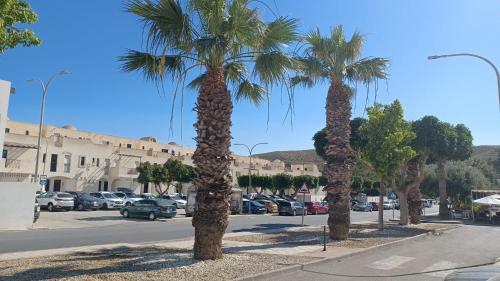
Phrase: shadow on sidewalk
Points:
(268, 227)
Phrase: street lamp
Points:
(44, 87)
(476, 56)
(250, 150)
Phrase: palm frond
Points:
(235, 71)
(251, 92)
(319, 47)
(312, 67)
(367, 70)
(211, 13)
(196, 83)
(278, 33)
(243, 25)
(302, 80)
(352, 49)
(152, 67)
(271, 67)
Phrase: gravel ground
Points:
(142, 264)
(360, 236)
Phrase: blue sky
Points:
(86, 37)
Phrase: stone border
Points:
(279, 271)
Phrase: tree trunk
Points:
(212, 159)
(403, 207)
(414, 204)
(339, 160)
(381, 206)
(443, 206)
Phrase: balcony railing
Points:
(12, 163)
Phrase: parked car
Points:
(354, 202)
(36, 214)
(256, 207)
(426, 203)
(111, 201)
(56, 201)
(374, 206)
(316, 208)
(129, 198)
(85, 201)
(149, 196)
(150, 209)
(291, 208)
(174, 199)
(388, 205)
(363, 207)
(270, 205)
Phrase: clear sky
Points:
(86, 37)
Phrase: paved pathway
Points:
(422, 259)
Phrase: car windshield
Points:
(132, 195)
(121, 195)
(257, 204)
(109, 195)
(64, 195)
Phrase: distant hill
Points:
(482, 152)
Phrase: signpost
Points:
(303, 189)
(43, 181)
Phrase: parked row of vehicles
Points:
(283, 205)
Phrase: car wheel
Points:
(50, 207)
(105, 206)
(128, 204)
(126, 214)
(80, 207)
(151, 216)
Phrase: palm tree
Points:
(221, 39)
(337, 61)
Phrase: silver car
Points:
(56, 201)
(111, 201)
(174, 199)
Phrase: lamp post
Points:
(250, 150)
(476, 56)
(44, 87)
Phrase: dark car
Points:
(257, 208)
(316, 208)
(150, 209)
(85, 201)
(363, 207)
(374, 206)
(290, 208)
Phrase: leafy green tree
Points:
(388, 148)
(310, 181)
(243, 181)
(162, 176)
(337, 61)
(281, 182)
(14, 12)
(186, 175)
(222, 39)
(322, 181)
(264, 182)
(145, 173)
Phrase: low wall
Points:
(18, 203)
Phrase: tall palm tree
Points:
(337, 61)
(223, 39)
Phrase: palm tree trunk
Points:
(414, 204)
(212, 160)
(403, 207)
(339, 159)
(443, 206)
(381, 205)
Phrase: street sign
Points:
(303, 188)
(43, 180)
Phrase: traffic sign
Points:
(303, 188)
(43, 180)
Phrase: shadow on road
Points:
(267, 227)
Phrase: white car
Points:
(56, 201)
(111, 201)
(128, 197)
(174, 199)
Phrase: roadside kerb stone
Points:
(268, 275)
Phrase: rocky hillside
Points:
(482, 152)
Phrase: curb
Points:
(270, 274)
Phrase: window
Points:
(7, 130)
(107, 142)
(82, 161)
(97, 163)
(93, 161)
(43, 157)
(305, 169)
(67, 163)
(143, 147)
(129, 145)
(4, 153)
(27, 133)
(173, 152)
(120, 145)
(164, 150)
(53, 163)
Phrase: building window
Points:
(4, 153)
(82, 161)
(97, 163)
(120, 145)
(305, 169)
(143, 147)
(27, 133)
(164, 150)
(43, 157)
(93, 161)
(129, 145)
(107, 142)
(67, 163)
(173, 152)
(7, 130)
(53, 163)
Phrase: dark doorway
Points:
(57, 185)
(99, 187)
(47, 186)
(105, 186)
(146, 188)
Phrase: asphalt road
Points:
(425, 259)
(146, 231)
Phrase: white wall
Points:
(17, 212)
(4, 107)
